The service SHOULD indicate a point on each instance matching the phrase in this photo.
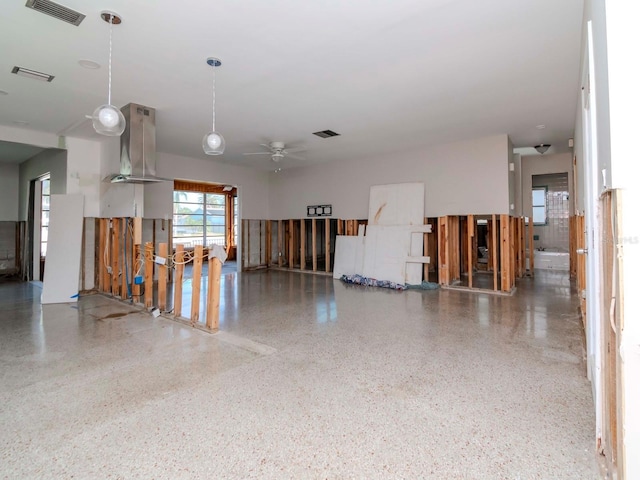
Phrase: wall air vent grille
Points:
(56, 10)
(326, 134)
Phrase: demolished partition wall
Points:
(306, 244)
(497, 246)
(486, 252)
(131, 259)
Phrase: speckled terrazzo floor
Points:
(309, 378)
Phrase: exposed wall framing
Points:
(12, 240)
(612, 327)
(500, 238)
(132, 261)
(578, 261)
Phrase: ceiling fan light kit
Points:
(107, 119)
(213, 142)
(277, 151)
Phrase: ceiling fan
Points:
(278, 151)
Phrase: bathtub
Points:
(551, 260)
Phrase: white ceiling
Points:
(389, 76)
(11, 152)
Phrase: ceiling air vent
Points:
(326, 134)
(56, 10)
(25, 72)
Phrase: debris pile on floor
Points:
(371, 282)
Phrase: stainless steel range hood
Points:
(138, 147)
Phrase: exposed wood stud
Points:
(291, 244)
(531, 246)
(471, 223)
(303, 244)
(327, 245)
(494, 250)
(148, 274)
(179, 277)
(280, 243)
(196, 282)
(162, 277)
(314, 253)
(126, 257)
(443, 251)
(213, 293)
(134, 272)
(115, 255)
(267, 243)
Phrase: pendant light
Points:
(107, 119)
(213, 142)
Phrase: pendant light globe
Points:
(213, 142)
(107, 119)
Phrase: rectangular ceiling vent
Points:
(56, 10)
(25, 72)
(326, 134)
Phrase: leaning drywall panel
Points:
(349, 256)
(396, 204)
(63, 250)
(385, 253)
(400, 204)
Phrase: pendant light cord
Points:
(213, 128)
(110, 49)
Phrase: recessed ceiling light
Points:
(90, 64)
(20, 123)
(2, 92)
(541, 127)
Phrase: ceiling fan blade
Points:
(257, 153)
(295, 157)
(296, 150)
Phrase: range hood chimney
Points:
(138, 146)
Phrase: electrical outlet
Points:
(138, 280)
(160, 260)
(109, 270)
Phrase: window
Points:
(205, 214)
(539, 203)
(45, 205)
(235, 220)
(198, 218)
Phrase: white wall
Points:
(541, 165)
(9, 190)
(623, 38)
(253, 186)
(469, 177)
(49, 161)
(514, 180)
(31, 137)
(83, 172)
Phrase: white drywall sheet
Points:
(400, 204)
(388, 249)
(62, 267)
(349, 256)
(396, 204)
